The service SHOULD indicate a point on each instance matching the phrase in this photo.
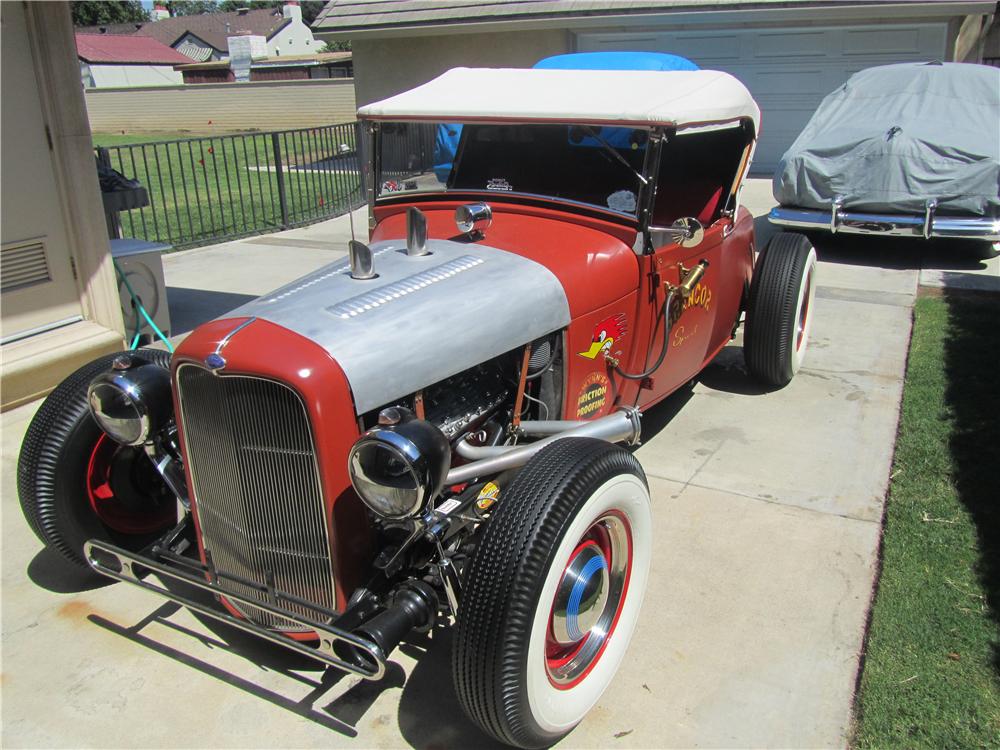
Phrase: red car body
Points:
(431, 431)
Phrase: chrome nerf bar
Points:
(121, 565)
(893, 225)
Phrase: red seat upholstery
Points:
(674, 201)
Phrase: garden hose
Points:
(137, 303)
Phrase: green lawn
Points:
(202, 189)
(930, 676)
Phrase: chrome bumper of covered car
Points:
(893, 225)
(122, 565)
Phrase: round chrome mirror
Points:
(690, 231)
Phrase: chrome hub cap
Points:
(582, 595)
(587, 600)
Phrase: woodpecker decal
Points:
(606, 332)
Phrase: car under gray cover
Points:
(896, 136)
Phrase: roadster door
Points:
(696, 180)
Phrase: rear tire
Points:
(75, 483)
(779, 316)
(553, 592)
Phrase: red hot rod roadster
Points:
(430, 430)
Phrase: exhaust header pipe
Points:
(621, 425)
(362, 261)
(416, 232)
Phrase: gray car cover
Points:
(894, 136)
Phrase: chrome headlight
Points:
(399, 465)
(130, 405)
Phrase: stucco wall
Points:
(105, 76)
(294, 39)
(383, 67)
(266, 105)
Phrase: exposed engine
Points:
(465, 401)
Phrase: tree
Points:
(310, 8)
(104, 12)
(192, 7)
(339, 46)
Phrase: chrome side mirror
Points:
(687, 231)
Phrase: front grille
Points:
(256, 487)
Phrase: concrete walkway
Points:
(767, 510)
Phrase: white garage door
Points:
(788, 70)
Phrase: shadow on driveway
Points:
(189, 308)
(900, 254)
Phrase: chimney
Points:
(159, 12)
(292, 10)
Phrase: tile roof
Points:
(213, 28)
(116, 48)
(191, 48)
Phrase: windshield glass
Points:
(593, 165)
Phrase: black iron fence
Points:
(210, 189)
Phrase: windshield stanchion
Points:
(375, 167)
(647, 195)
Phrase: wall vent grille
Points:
(23, 264)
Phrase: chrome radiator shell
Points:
(256, 487)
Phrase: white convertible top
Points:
(639, 98)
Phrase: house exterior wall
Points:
(105, 76)
(264, 105)
(52, 99)
(221, 75)
(383, 67)
(295, 39)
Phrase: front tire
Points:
(552, 595)
(75, 483)
(779, 315)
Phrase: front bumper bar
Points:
(129, 567)
(893, 225)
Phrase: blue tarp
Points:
(616, 61)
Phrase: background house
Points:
(59, 304)
(205, 37)
(118, 60)
(789, 53)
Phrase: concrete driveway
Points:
(767, 508)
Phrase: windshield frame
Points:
(645, 177)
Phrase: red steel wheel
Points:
(124, 490)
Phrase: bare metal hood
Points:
(422, 319)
